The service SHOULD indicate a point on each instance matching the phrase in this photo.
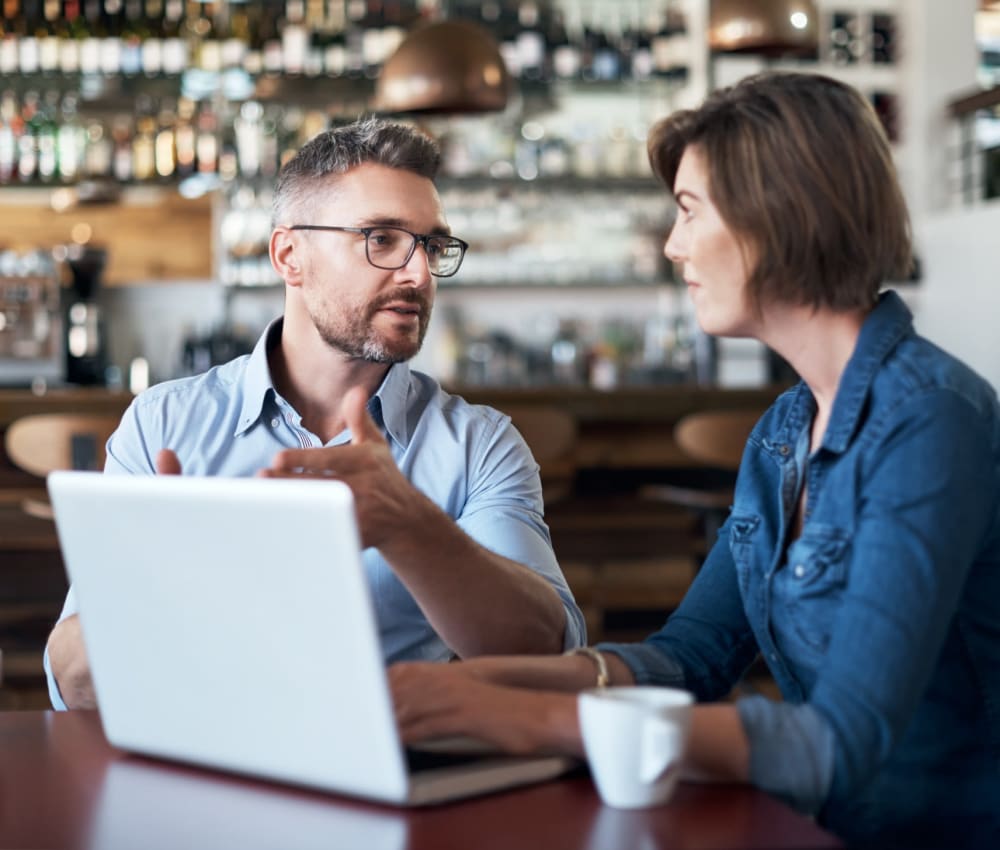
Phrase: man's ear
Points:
(282, 249)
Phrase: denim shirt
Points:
(466, 458)
(881, 622)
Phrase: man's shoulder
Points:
(223, 382)
(431, 397)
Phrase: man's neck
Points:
(314, 378)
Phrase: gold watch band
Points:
(603, 679)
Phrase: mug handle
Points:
(662, 748)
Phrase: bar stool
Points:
(715, 439)
(42, 443)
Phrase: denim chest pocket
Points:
(813, 582)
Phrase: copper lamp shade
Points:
(768, 27)
(444, 67)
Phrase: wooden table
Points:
(63, 786)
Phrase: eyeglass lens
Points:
(391, 248)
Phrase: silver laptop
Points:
(229, 623)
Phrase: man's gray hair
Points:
(338, 150)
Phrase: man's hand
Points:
(442, 700)
(68, 659)
(383, 498)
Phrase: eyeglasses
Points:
(391, 247)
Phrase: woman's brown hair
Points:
(800, 169)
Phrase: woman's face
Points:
(708, 254)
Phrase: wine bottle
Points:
(29, 40)
(175, 47)
(530, 41)
(184, 138)
(72, 32)
(10, 130)
(164, 146)
(71, 141)
(90, 46)
(152, 38)
(131, 38)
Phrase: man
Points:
(448, 496)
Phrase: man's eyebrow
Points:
(395, 221)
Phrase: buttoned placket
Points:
(793, 469)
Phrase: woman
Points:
(862, 554)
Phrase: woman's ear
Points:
(283, 247)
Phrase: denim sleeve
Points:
(927, 499)
(706, 645)
(503, 513)
(791, 751)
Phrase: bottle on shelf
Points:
(152, 37)
(564, 53)
(11, 128)
(72, 34)
(671, 45)
(175, 55)
(71, 141)
(110, 28)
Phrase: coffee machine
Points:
(86, 347)
(31, 337)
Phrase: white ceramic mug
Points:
(634, 738)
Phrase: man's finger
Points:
(167, 462)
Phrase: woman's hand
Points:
(442, 700)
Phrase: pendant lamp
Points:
(767, 27)
(444, 67)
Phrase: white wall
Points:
(958, 303)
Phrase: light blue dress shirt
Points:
(468, 459)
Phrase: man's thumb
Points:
(355, 411)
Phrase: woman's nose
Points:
(672, 248)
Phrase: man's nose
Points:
(418, 267)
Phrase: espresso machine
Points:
(31, 337)
(86, 344)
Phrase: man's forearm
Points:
(478, 602)
(70, 667)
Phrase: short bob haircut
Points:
(801, 171)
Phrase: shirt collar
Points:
(883, 329)
(257, 384)
(389, 403)
(387, 407)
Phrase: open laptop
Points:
(229, 623)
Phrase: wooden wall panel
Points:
(152, 235)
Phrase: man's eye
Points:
(435, 247)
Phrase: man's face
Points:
(373, 314)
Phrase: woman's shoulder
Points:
(918, 371)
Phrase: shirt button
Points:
(774, 656)
(784, 450)
(275, 422)
(799, 571)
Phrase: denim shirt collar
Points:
(387, 406)
(881, 332)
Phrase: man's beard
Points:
(356, 336)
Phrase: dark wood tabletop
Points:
(63, 786)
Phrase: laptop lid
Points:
(229, 623)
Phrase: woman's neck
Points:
(818, 345)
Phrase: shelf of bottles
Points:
(152, 90)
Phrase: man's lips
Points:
(406, 309)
